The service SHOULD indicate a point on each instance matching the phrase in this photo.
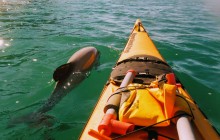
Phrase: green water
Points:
(38, 36)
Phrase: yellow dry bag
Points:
(149, 106)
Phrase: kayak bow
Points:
(152, 104)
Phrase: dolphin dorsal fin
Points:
(62, 71)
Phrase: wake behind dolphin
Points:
(67, 77)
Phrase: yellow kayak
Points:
(144, 100)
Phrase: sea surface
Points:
(37, 36)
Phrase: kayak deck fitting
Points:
(143, 99)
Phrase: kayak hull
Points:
(139, 44)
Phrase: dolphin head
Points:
(84, 59)
(77, 67)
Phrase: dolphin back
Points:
(62, 72)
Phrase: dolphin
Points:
(67, 77)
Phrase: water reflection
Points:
(3, 44)
(13, 2)
(213, 6)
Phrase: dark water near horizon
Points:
(38, 36)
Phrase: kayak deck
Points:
(141, 49)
